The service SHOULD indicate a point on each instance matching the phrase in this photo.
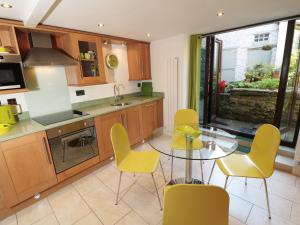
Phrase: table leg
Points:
(189, 163)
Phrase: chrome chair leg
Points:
(156, 191)
(162, 170)
(267, 196)
(246, 181)
(172, 162)
(212, 170)
(202, 175)
(226, 181)
(118, 192)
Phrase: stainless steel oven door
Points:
(72, 149)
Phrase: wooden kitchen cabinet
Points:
(139, 65)
(8, 196)
(132, 120)
(103, 125)
(29, 163)
(149, 119)
(87, 49)
(160, 113)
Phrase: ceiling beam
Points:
(39, 11)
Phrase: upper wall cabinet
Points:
(8, 41)
(87, 49)
(139, 61)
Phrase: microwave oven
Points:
(11, 72)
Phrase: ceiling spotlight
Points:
(148, 34)
(221, 13)
(6, 5)
(105, 42)
(100, 25)
(123, 44)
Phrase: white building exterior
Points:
(242, 49)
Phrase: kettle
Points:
(8, 113)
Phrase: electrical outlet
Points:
(80, 92)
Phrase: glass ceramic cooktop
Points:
(59, 117)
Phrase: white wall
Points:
(91, 92)
(166, 56)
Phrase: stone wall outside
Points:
(252, 105)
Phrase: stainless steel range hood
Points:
(43, 54)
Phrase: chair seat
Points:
(239, 165)
(140, 162)
(179, 143)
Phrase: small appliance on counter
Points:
(9, 113)
(147, 89)
(4, 128)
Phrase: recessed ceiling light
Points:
(100, 25)
(221, 13)
(6, 5)
(148, 34)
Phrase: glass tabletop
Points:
(194, 142)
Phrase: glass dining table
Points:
(193, 142)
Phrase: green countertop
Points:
(29, 126)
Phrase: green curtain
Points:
(194, 73)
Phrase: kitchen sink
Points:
(121, 103)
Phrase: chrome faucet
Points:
(117, 91)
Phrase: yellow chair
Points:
(194, 204)
(259, 163)
(128, 160)
(185, 117)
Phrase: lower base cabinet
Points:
(103, 125)
(29, 165)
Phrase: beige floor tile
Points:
(87, 184)
(257, 183)
(290, 192)
(146, 181)
(144, 203)
(234, 221)
(102, 202)
(34, 213)
(132, 219)
(239, 208)
(259, 216)
(279, 206)
(284, 177)
(295, 215)
(48, 220)
(110, 177)
(68, 205)
(11, 220)
(90, 219)
(298, 182)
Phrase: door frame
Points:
(210, 38)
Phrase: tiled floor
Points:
(90, 200)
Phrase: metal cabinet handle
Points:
(47, 150)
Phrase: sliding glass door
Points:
(253, 78)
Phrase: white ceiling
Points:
(161, 18)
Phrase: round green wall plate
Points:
(112, 61)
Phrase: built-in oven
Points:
(11, 72)
(72, 144)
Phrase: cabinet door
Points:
(134, 61)
(149, 117)
(103, 125)
(29, 163)
(8, 196)
(160, 113)
(133, 123)
(145, 61)
(87, 49)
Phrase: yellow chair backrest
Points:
(186, 116)
(264, 148)
(120, 142)
(194, 204)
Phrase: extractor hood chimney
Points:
(43, 54)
